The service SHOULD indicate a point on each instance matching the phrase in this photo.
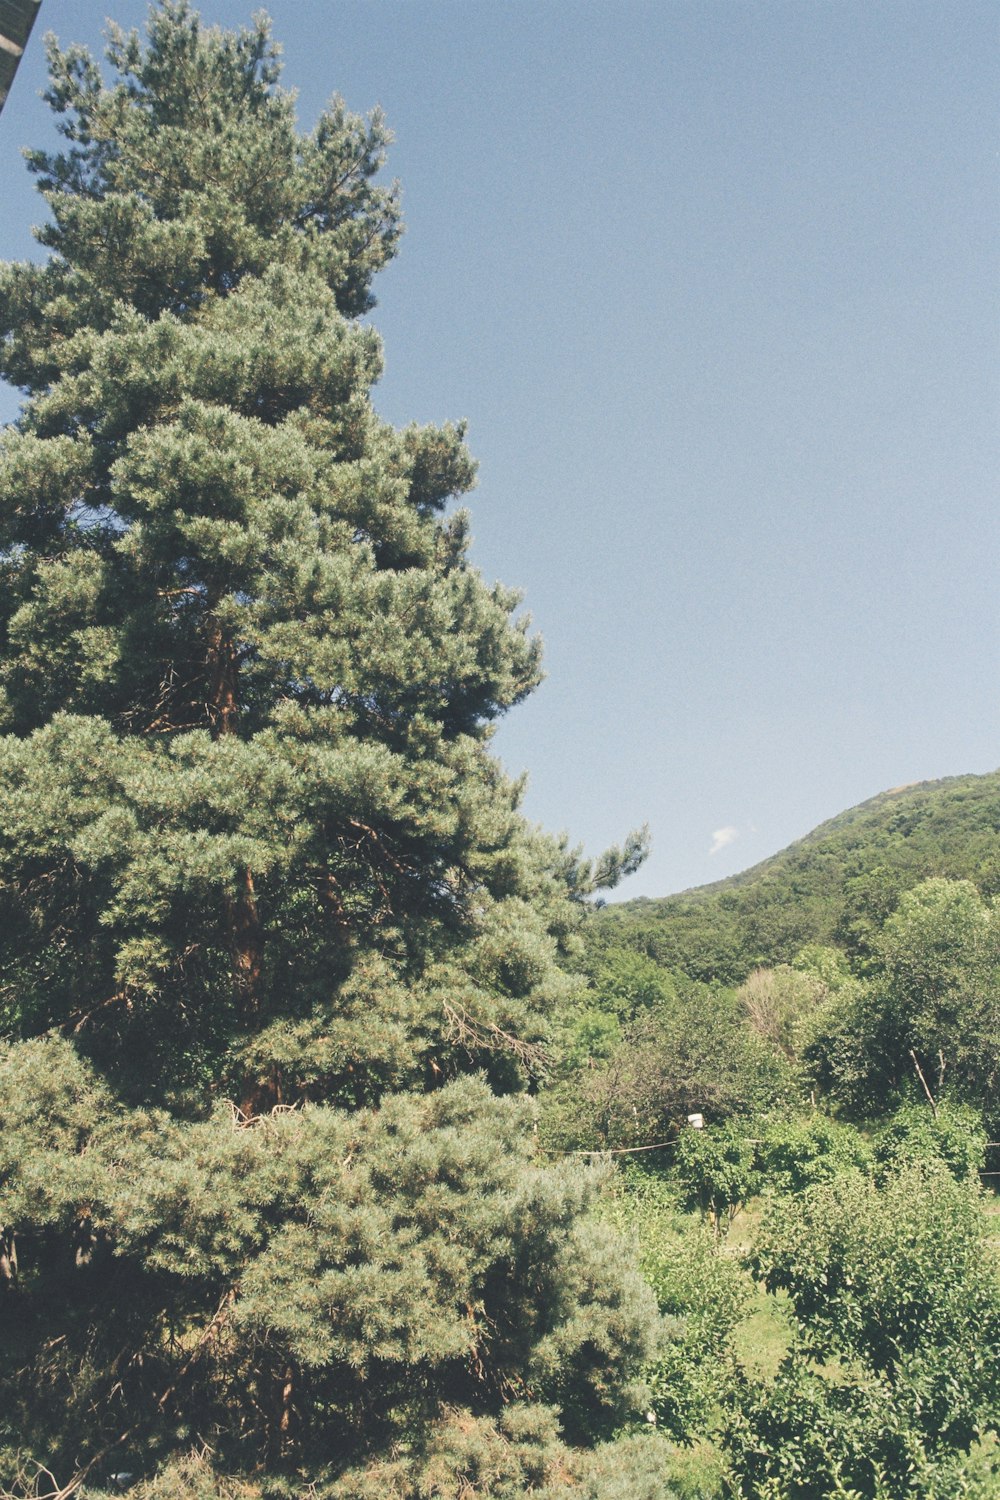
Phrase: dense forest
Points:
(837, 886)
(350, 1148)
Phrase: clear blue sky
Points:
(716, 286)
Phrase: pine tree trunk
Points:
(279, 1419)
(246, 942)
(246, 939)
(223, 681)
(8, 1257)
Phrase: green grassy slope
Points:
(837, 885)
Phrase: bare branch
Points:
(475, 1035)
(923, 1080)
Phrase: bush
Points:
(718, 1172)
(701, 1293)
(693, 1054)
(953, 1134)
(796, 1153)
(463, 1457)
(807, 1438)
(894, 1290)
(355, 1270)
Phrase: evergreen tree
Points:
(264, 893)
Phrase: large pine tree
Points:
(278, 949)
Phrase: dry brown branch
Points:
(243, 1120)
(923, 1080)
(83, 1017)
(207, 1335)
(475, 1035)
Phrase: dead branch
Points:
(474, 1035)
(207, 1335)
(923, 1080)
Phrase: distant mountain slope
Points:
(837, 885)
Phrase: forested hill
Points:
(836, 886)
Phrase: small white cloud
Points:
(722, 838)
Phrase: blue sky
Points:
(716, 286)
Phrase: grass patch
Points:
(762, 1339)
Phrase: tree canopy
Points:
(266, 898)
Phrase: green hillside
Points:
(836, 885)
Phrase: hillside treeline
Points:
(836, 886)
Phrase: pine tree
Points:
(266, 898)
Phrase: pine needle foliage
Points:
(275, 938)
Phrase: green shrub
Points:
(701, 1293)
(796, 1153)
(894, 1291)
(717, 1169)
(953, 1134)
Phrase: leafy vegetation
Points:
(829, 1021)
(890, 1279)
(347, 1151)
